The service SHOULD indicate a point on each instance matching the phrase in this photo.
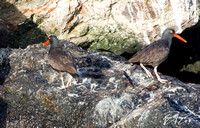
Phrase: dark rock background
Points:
(183, 59)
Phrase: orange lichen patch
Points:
(44, 8)
(70, 8)
(169, 2)
(24, 10)
(46, 4)
(168, 6)
(71, 20)
(72, 39)
(47, 8)
(74, 33)
(83, 10)
(28, 13)
(79, 7)
(50, 10)
(52, 27)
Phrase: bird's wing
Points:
(156, 56)
(140, 54)
(151, 54)
(62, 61)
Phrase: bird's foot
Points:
(162, 80)
(147, 71)
(158, 77)
(64, 87)
(68, 84)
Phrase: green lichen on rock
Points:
(54, 32)
(9, 91)
(48, 102)
(195, 68)
(115, 41)
(21, 99)
(84, 31)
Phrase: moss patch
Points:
(195, 68)
(116, 41)
(55, 32)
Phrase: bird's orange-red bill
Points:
(47, 42)
(180, 38)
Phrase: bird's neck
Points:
(167, 42)
(54, 48)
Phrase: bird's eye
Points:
(49, 38)
(171, 31)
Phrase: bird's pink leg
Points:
(68, 83)
(62, 86)
(147, 71)
(158, 77)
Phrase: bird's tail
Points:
(75, 75)
(132, 60)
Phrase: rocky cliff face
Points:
(107, 24)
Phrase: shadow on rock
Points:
(182, 54)
(16, 31)
(90, 63)
(4, 70)
(26, 34)
(3, 113)
(92, 66)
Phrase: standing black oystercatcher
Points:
(61, 60)
(155, 53)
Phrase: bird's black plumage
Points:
(60, 59)
(157, 52)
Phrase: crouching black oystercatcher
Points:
(155, 53)
(61, 60)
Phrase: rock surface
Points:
(117, 26)
(109, 93)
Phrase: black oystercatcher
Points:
(61, 60)
(155, 53)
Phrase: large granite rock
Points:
(109, 93)
(117, 26)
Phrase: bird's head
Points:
(53, 40)
(169, 33)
